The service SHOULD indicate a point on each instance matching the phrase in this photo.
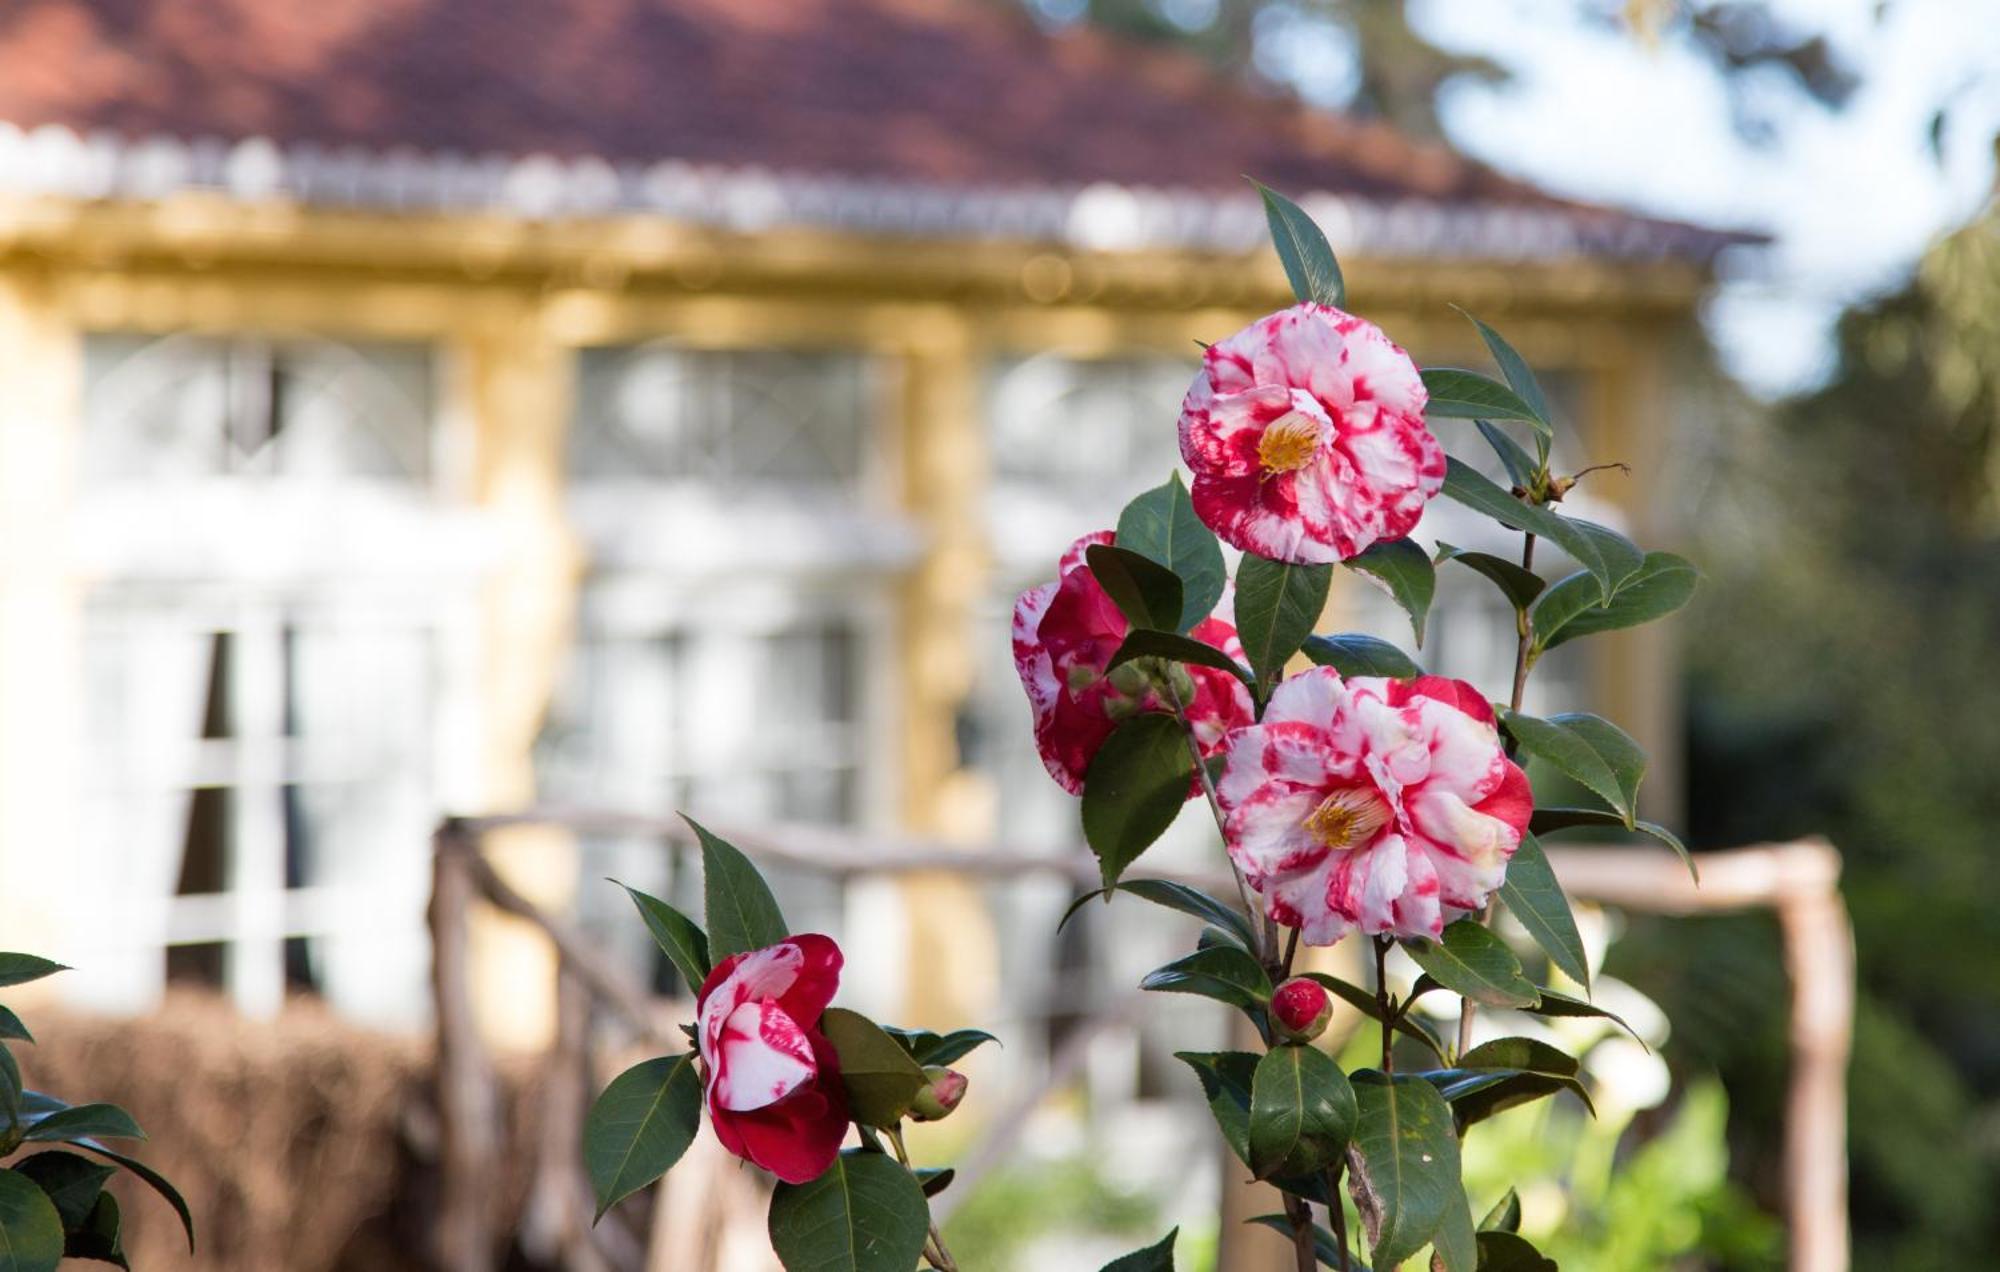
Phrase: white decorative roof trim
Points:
(54, 160)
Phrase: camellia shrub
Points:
(1356, 797)
(53, 1204)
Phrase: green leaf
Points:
(1598, 754)
(19, 969)
(1408, 1151)
(10, 1087)
(1407, 574)
(1521, 468)
(1662, 584)
(1365, 1002)
(1352, 654)
(1147, 593)
(1515, 368)
(1549, 821)
(1302, 1112)
(1162, 526)
(1158, 1257)
(1455, 1243)
(640, 1126)
(1505, 1215)
(742, 914)
(1143, 642)
(1622, 557)
(882, 1078)
(1179, 897)
(1134, 789)
(865, 1214)
(684, 944)
(1520, 586)
(153, 1179)
(934, 1180)
(1457, 394)
(1510, 1252)
(84, 1120)
(1537, 900)
(926, 1047)
(1277, 605)
(1470, 960)
(1554, 1004)
(1532, 1070)
(98, 1236)
(31, 1233)
(11, 1027)
(72, 1182)
(1226, 1081)
(1310, 265)
(1475, 490)
(1221, 972)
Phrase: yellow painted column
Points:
(510, 386)
(41, 394)
(941, 441)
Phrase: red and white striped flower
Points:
(1384, 805)
(774, 1090)
(1065, 635)
(1305, 433)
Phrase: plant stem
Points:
(1524, 642)
(934, 1247)
(1382, 944)
(1336, 1214)
(1291, 950)
(1299, 1212)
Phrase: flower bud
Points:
(936, 1101)
(1300, 1009)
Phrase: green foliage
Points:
(1161, 525)
(741, 912)
(1406, 574)
(639, 1127)
(1158, 1257)
(1352, 654)
(1408, 1151)
(1302, 1112)
(865, 1214)
(1277, 605)
(1222, 972)
(684, 943)
(1302, 249)
(882, 1077)
(1471, 961)
(1135, 788)
(1180, 897)
(1535, 897)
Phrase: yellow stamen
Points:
(1289, 443)
(1348, 817)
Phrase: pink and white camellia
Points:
(1305, 432)
(1384, 805)
(1065, 635)
(774, 1090)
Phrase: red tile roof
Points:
(931, 93)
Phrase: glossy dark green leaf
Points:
(639, 1127)
(1457, 394)
(882, 1079)
(684, 943)
(1534, 1070)
(1179, 897)
(12, 1028)
(1365, 1002)
(1302, 1112)
(741, 912)
(98, 1237)
(1467, 485)
(1158, 1257)
(19, 969)
(934, 1180)
(1352, 654)
(1599, 755)
(1226, 1079)
(1549, 821)
(1470, 960)
(1520, 586)
(1521, 467)
(954, 1046)
(1408, 1151)
(1456, 1084)
(1221, 972)
(1134, 789)
(1277, 605)
(31, 1233)
(1161, 525)
(1143, 642)
(1310, 265)
(1515, 368)
(1537, 900)
(1622, 557)
(153, 1179)
(865, 1214)
(105, 1121)
(1510, 1252)
(1662, 584)
(1455, 1243)
(1147, 593)
(1505, 1215)
(10, 1088)
(1554, 1004)
(71, 1181)
(1402, 569)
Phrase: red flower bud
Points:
(937, 1100)
(1300, 1009)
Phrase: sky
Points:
(1851, 196)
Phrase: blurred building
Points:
(411, 406)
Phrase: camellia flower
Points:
(774, 1090)
(1305, 432)
(1386, 805)
(1065, 635)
